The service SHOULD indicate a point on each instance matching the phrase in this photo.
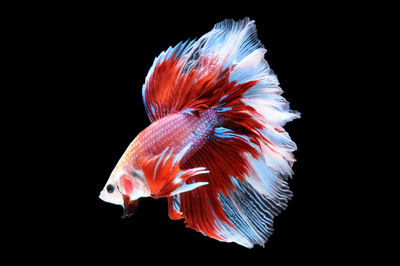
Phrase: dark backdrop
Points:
(95, 61)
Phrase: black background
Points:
(89, 64)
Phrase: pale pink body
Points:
(174, 131)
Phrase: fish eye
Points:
(110, 188)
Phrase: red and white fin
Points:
(249, 155)
(164, 176)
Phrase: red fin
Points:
(164, 176)
(245, 148)
(170, 89)
(173, 213)
(225, 159)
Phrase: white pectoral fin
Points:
(187, 187)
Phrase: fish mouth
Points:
(107, 198)
(130, 206)
(101, 196)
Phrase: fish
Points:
(216, 147)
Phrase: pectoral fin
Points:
(164, 176)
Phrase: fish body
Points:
(216, 147)
(174, 131)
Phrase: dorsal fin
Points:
(193, 73)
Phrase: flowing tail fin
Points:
(249, 154)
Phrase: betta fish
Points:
(216, 147)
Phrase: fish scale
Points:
(174, 131)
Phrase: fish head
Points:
(125, 187)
